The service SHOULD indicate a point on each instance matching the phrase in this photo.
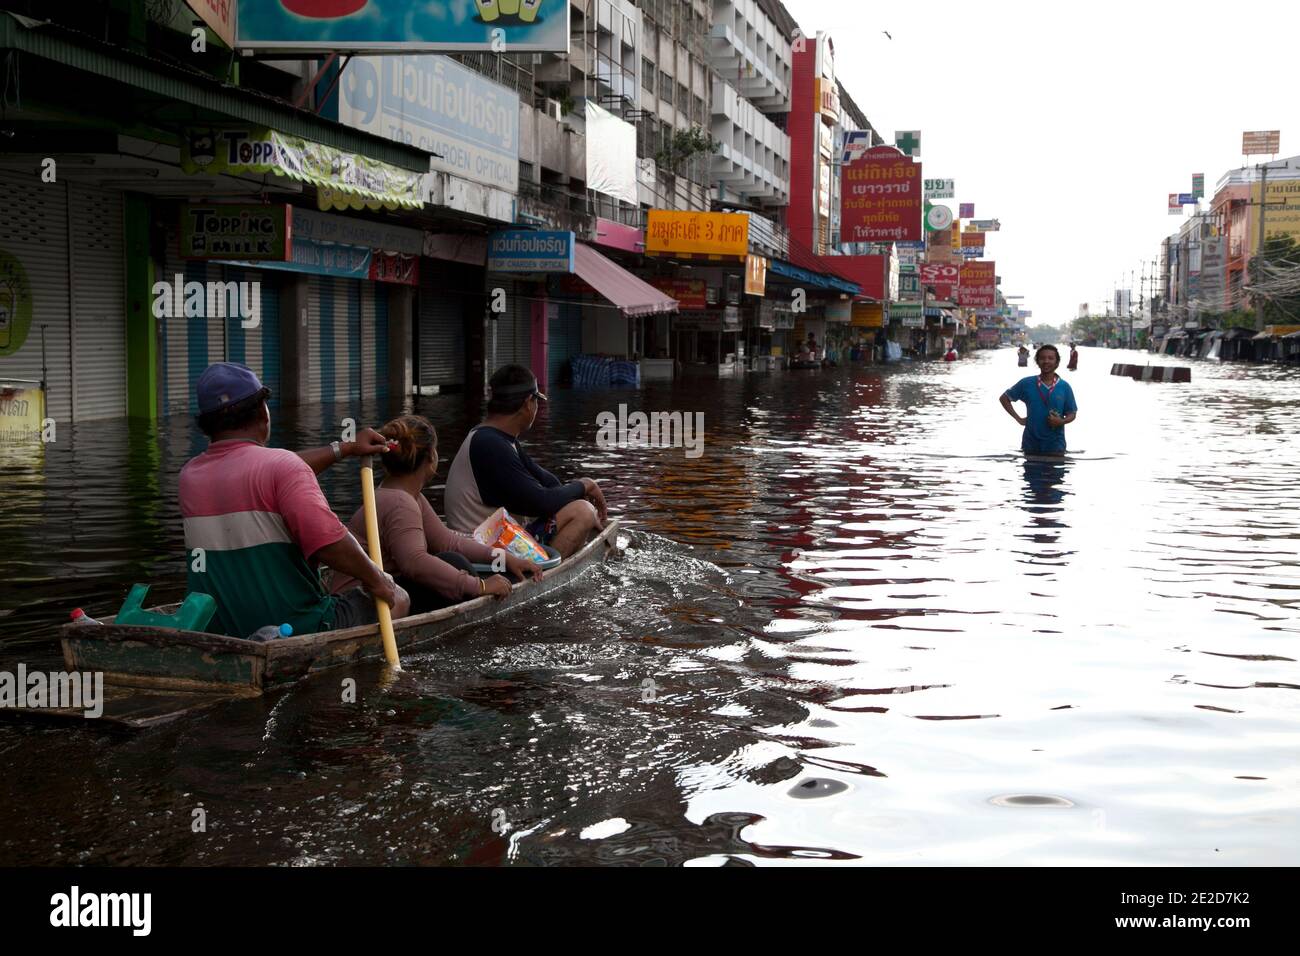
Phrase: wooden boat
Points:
(145, 668)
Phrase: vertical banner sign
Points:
(1175, 207)
(880, 198)
(977, 285)
(1212, 266)
(967, 210)
(1198, 186)
(755, 275)
(941, 277)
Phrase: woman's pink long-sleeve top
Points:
(410, 533)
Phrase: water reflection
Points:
(861, 585)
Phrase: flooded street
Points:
(860, 627)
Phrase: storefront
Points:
(62, 298)
(340, 273)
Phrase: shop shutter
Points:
(190, 343)
(442, 323)
(374, 339)
(34, 231)
(335, 338)
(564, 341)
(97, 264)
(514, 328)
(258, 347)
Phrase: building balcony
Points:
(740, 65)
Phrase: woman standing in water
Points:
(1074, 358)
(1049, 405)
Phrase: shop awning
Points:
(816, 279)
(1237, 333)
(1176, 334)
(1261, 335)
(632, 295)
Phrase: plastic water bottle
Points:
(271, 632)
(81, 617)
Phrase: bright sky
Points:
(1070, 123)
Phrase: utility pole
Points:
(1259, 249)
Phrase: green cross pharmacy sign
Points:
(909, 141)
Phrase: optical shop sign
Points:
(468, 123)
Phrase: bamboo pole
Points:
(377, 556)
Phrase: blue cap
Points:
(224, 383)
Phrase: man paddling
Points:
(257, 525)
(1049, 405)
(491, 470)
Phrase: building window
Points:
(665, 87)
(647, 75)
(683, 98)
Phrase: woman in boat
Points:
(432, 562)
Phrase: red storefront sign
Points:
(881, 198)
(392, 267)
(941, 277)
(691, 294)
(977, 287)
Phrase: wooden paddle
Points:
(377, 556)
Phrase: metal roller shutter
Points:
(565, 341)
(96, 259)
(258, 347)
(514, 328)
(335, 338)
(34, 232)
(442, 324)
(374, 339)
(190, 342)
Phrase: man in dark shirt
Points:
(491, 470)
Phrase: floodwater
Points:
(860, 627)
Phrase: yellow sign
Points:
(22, 410)
(868, 315)
(755, 275)
(714, 235)
(826, 99)
(1281, 215)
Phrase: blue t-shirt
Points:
(1039, 400)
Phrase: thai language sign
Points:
(940, 188)
(713, 234)
(523, 250)
(1261, 141)
(881, 198)
(220, 231)
(371, 25)
(1281, 212)
(941, 277)
(468, 123)
(691, 294)
(977, 284)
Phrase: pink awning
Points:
(630, 294)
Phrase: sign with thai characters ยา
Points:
(940, 188)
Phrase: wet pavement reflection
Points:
(861, 627)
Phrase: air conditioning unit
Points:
(553, 110)
(537, 59)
